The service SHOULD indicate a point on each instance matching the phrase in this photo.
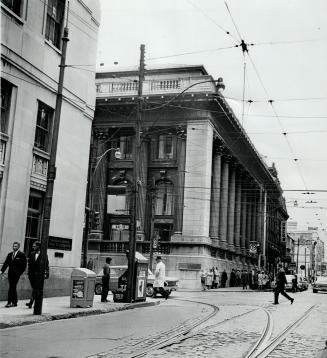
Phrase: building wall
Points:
(31, 64)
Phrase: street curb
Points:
(62, 316)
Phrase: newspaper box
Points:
(82, 287)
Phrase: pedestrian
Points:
(280, 286)
(232, 278)
(213, 285)
(203, 276)
(216, 277)
(260, 280)
(209, 279)
(16, 264)
(294, 284)
(238, 278)
(250, 282)
(159, 280)
(224, 278)
(105, 280)
(34, 270)
(244, 280)
(90, 264)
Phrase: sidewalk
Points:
(55, 308)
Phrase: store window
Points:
(43, 127)
(14, 5)
(54, 22)
(164, 198)
(34, 219)
(165, 147)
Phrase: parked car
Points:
(302, 283)
(320, 284)
(171, 283)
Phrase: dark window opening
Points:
(14, 5)
(43, 125)
(54, 24)
(164, 198)
(165, 147)
(34, 219)
(6, 89)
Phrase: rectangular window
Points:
(14, 5)
(6, 89)
(54, 23)
(43, 127)
(165, 147)
(119, 232)
(125, 145)
(34, 219)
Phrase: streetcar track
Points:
(263, 347)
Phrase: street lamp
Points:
(89, 202)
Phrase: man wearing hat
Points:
(159, 281)
(105, 280)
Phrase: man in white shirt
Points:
(159, 281)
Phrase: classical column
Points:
(238, 203)
(231, 208)
(223, 203)
(179, 203)
(243, 218)
(215, 194)
(254, 215)
(259, 218)
(142, 192)
(249, 219)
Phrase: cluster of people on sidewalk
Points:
(254, 279)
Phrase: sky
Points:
(285, 64)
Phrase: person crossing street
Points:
(280, 286)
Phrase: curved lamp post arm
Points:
(118, 155)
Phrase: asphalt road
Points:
(230, 333)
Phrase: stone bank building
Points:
(206, 197)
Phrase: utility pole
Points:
(297, 256)
(136, 171)
(51, 176)
(153, 196)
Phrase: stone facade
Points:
(205, 192)
(30, 58)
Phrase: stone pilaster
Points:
(238, 204)
(254, 215)
(215, 193)
(179, 203)
(223, 203)
(231, 208)
(198, 166)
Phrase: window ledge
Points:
(4, 136)
(41, 153)
(50, 44)
(12, 14)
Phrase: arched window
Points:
(164, 198)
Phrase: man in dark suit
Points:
(16, 262)
(280, 286)
(34, 270)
